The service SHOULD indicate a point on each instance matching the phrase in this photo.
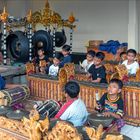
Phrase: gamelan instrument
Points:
(49, 108)
(14, 95)
(95, 119)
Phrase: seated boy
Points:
(74, 110)
(131, 65)
(41, 57)
(112, 103)
(86, 64)
(54, 68)
(66, 54)
(123, 57)
(97, 70)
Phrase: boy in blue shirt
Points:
(67, 57)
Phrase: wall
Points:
(97, 19)
(138, 14)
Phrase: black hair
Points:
(118, 82)
(72, 89)
(66, 48)
(100, 55)
(59, 56)
(132, 51)
(122, 53)
(91, 52)
(42, 49)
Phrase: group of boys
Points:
(93, 64)
(59, 60)
(111, 103)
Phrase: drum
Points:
(95, 119)
(11, 96)
(49, 108)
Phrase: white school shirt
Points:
(53, 70)
(86, 65)
(132, 68)
(76, 113)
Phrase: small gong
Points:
(4, 110)
(95, 119)
(17, 115)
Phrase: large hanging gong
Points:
(60, 38)
(18, 46)
(42, 39)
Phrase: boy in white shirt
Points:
(131, 65)
(54, 68)
(74, 110)
(86, 64)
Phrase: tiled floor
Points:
(131, 131)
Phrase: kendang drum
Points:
(14, 95)
(49, 108)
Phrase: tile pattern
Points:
(131, 131)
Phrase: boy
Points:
(41, 57)
(66, 54)
(112, 103)
(123, 57)
(131, 65)
(74, 110)
(54, 68)
(97, 71)
(89, 60)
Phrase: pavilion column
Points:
(133, 25)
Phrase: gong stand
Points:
(4, 44)
(30, 41)
(48, 29)
(54, 31)
(3, 18)
(71, 38)
(29, 19)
